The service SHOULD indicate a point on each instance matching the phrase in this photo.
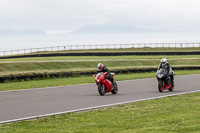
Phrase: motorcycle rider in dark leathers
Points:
(164, 64)
(102, 68)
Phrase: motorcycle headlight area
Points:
(160, 75)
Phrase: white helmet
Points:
(163, 61)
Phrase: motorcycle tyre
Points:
(115, 90)
(170, 89)
(101, 90)
(160, 86)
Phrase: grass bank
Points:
(83, 65)
(78, 58)
(170, 114)
(79, 80)
(45, 67)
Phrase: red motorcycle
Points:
(105, 85)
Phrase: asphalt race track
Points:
(33, 103)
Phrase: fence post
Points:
(4, 53)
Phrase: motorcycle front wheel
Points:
(101, 89)
(160, 86)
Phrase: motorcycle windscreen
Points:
(99, 74)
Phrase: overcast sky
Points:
(59, 16)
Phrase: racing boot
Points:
(113, 83)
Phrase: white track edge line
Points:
(95, 107)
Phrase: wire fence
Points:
(104, 46)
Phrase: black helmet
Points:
(100, 66)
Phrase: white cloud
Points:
(56, 16)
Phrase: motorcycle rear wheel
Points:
(160, 86)
(101, 89)
(115, 90)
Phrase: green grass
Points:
(79, 80)
(21, 66)
(60, 65)
(98, 58)
(16, 69)
(170, 114)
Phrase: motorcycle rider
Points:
(164, 64)
(102, 68)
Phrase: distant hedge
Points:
(35, 76)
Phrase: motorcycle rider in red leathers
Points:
(102, 68)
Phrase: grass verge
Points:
(35, 66)
(79, 80)
(78, 58)
(170, 114)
